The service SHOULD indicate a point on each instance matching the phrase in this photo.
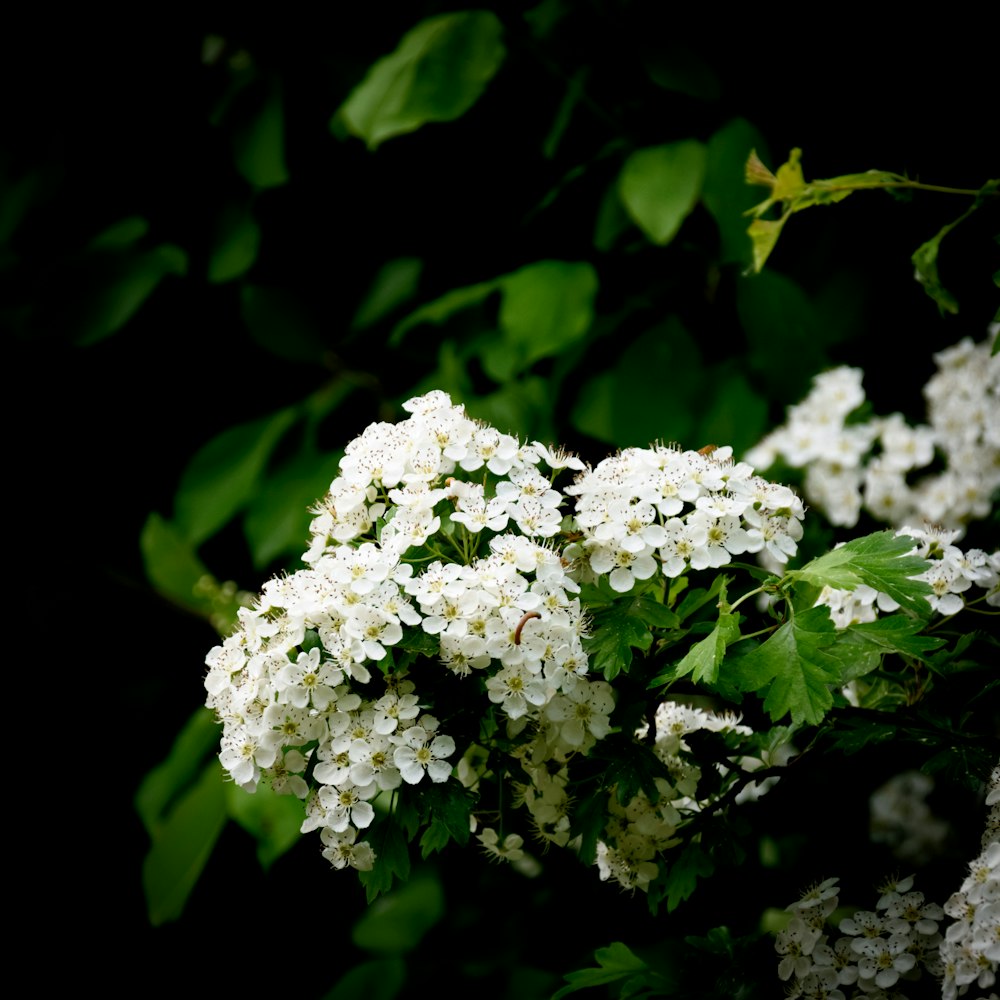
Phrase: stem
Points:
(749, 593)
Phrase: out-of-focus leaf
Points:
(171, 564)
(237, 239)
(662, 364)
(380, 979)
(223, 475)
(437, 72)
(272, 820)
(395, 283)
(546, 306)
(396, 923)
(674, 66)
(612, 219)
(161, 786)
(183, 845)
(440, 309)
(725, 192)
(787, 333)
(734, 413)
(121, 283)
(280, 323)
(277, 520)
(120, 235)
(659, 187)
(259, 143)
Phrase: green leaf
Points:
(273, 820)
(614, 963)
(606, 409)
(726, 194)
(224, 474)
(278, 517)
(171, 564)
(546, 307)
(796, 667)
(704, 658)
(630, 767)
(683, 874)
(787, 333)
(659, 187)
(617, 630)
(450, 803)
(656, 615)
(161, 787)
(442, 308)
(237, 239)
(182, 847)
(380, 979)
(259, 143)
(121, 235)
(435, 838)
(898, 634)
(396, 923)
(395, 283)
(121, 283)
(881, 560)
(279, 321)
(392, 860)
(437, 72)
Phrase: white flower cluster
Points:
(952, 573)
(682, 510)
(881, 950)
(970, 951)
(640, 830)
(293, 685)
(876, 952)
(875, 464)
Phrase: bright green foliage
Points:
(898, 634)
(796, 667)
(705, 657)
(436, 74)
(617, 630)
(880, 560)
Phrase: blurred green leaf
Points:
(440, 309)
(673, 65)
(546, 307)
(161, 786)
(278, 517)
(436, 73)
(279, 321)
(661, 185)
(272, 820)
(787, 334)
(379, 979)
(222, 477)
(171, 564)
(119, 282)
(237, 239)
(121, 235)
(395, 283)
(734, 413)
(662, 364)
(259, 142)
(183, 845)
(725, 193)
(396, 923)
